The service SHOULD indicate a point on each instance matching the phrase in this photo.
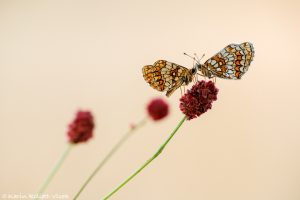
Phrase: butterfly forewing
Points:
(165, 76)
(232, 62)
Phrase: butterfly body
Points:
(232, 62)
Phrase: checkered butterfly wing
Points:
(232, 62)
(165, 76)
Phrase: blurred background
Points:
(60, 56)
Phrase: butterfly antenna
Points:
(200, 60)
(191, 57)
(196, 56)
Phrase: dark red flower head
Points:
(81, 129)
(198, 99)
(158, 109)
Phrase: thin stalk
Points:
(148, 161)
(55, 169)
(109, 155)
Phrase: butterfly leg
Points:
(194, 78)
(181, 91)
(214, 79)
(200, 75)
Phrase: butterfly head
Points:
(198, 67)
(194, 70)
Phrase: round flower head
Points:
(198, 99)
(158, 109)
(81, 129)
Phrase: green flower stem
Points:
(109, 155)
(148, 161)
(55, 169)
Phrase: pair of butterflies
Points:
(232, 62)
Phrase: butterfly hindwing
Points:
(165, 76)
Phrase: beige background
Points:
(60, 56)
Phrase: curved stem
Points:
(55, 169)
(109, 155)
(148, 161)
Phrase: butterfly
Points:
(232, 62)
